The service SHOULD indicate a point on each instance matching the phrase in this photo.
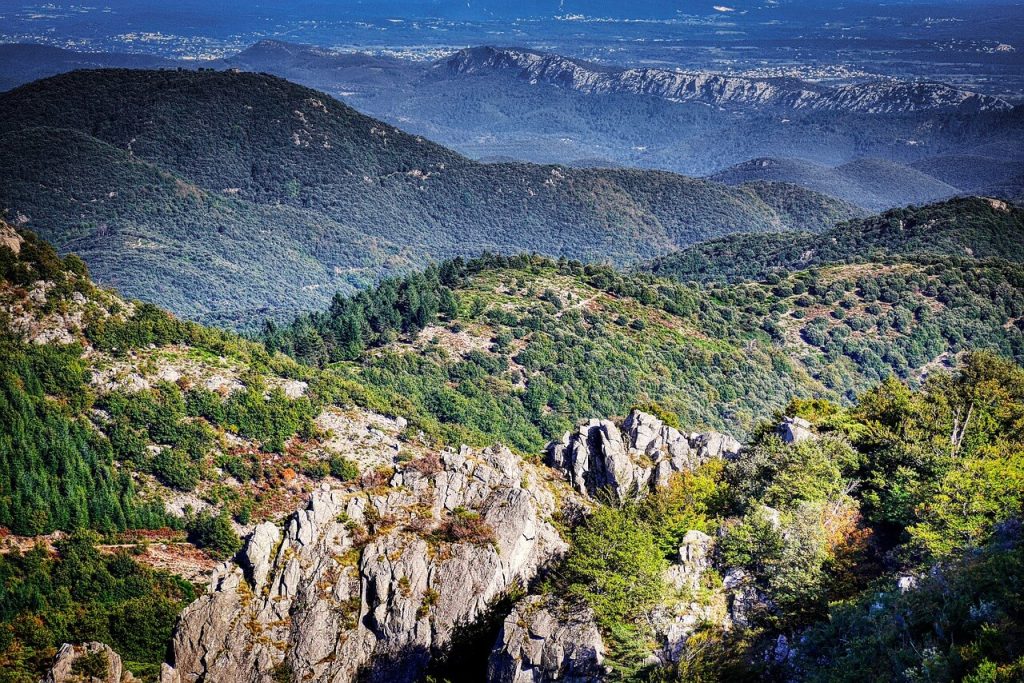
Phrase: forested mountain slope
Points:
(264, 160)
(874, 184)
(847, 526)
(587, 339)
(957, 229)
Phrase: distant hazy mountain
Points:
(871, 183)
(512, 104)
(881, 97)
(876, 184)
(271, 196)
(25, 63)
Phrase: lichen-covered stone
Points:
(544, 640)
(370, 582)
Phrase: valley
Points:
(230, 167)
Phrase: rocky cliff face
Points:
(369, 582)
(598, 456)
(544, 639)
(720, 90)
(87, 663)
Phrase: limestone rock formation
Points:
(694, 560)
(89, 663)
(794, 430)
(676, 620)
(544, 640)
(370, 580)
(596, 456)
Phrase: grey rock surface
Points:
(644, 455)
(795, 430)
(544, 639)
(368, 583)
(64, 664)
(694, 559)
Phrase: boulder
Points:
(905, 584)
(543, 640)
(795, 430)
(90, 662)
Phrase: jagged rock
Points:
(10, 238)
(676, 621)
(795, 430)
(545, 640)
(906, 584)
(258, 552)
(782, 652)
(371, 582)
(744, 599)
(597, 456)
(168, 674)
(694, 560)
(70, 659)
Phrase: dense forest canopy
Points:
(230, 196)
(972, 227)
(914, 469)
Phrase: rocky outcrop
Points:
(694, 605)
(746, 601)
(87, 663)
(543, 640)
(10, 238)
(369, 581)
(597, 456)
(794, 430)
(694, 559)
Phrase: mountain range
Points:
(274, 196)
(493, 103)
(717, 90)
(766, 431)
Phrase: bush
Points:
(342, 468)
(174, 468)
(466, 526)
(92, 665)
(213, 533)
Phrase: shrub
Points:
(214, 534)
(92, 665)
(342, 468)
(466, 526)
